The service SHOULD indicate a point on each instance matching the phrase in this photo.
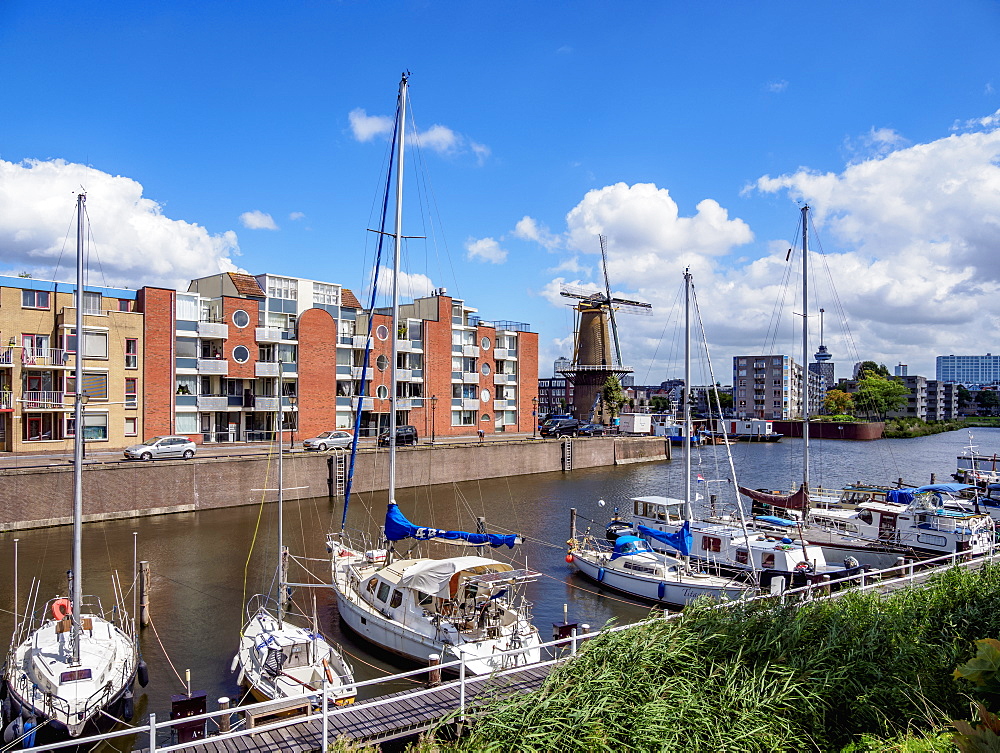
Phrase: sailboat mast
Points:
(395, 287)
(282, 577)
(805, 346)
(78, 438)
(688, 512)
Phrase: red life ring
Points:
(61, 609)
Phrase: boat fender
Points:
(143, 672)
(235, 664)
(600, 575)
(61, 609)
(128, 706)
(661, 590)
(12, 731)
(569, 558)
(851, 562)
(29, 739)
(803, 567)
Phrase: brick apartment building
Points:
(770, 386)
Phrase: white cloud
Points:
(135, 242)
(485, 249)
(776, 87)
(411, 285)
(529, 229)
(296, 216)
(257, 220)
(366, 127)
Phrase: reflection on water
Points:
(198, 560)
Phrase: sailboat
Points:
(71, 668)
(630, 564)
(278, 658)
(470, 606)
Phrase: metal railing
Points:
(41, 399)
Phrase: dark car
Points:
(404, 435)
(560, 427)
(593, 430)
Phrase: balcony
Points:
(470, 377)
(403, 403)
(52, 357)
(37, 400)
(273, 334)
(504, 378)
(356, 372)
(213, 402)
(499, 353)
(263, 403)
(367, 403)
(470, 351)
(213, 330)
(470, 404)
(7, 357)
(403, 375)
(505, 405)
(6, 400)
(363, 342)
(213, 366)
(265, 369)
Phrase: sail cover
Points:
(681, 541)
(397, 528)
(906, 496)
(797, 501)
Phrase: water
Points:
(198, 560)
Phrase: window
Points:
(131, 427)
(486, 369)
(91, 302)
(711, 544)
(485, 417)
(186, 423)
(95, 344)
(186, 347)
(124, 304)
(484, 396)
(131, 392)
(397, 599)
(383, 591)
(282, 287)
(95, 426)
(742, 557)
(187, 384)
(382, 362)
(95, 384)
(325, 295)
(131, 353)
(34, 299)
(241, 318)
(382, 332)
(241, 354)
(463, 418)
(381, 392)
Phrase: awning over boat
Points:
(797, 501)
(434, 576)
(681, 541)
(397, 528)
(629, 545)
(906, 496)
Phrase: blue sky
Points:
(220, 135)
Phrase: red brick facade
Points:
(317, 387)
(157, 354)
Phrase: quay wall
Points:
(828, 430)
(43, 496)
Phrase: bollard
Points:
(144, 593)
(326, 714)
(826, 588)
(572, 641)
(434, 676)
(152, 732)
(224, 720)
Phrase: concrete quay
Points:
(41, 495)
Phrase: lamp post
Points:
(434, 406)
(292, 400)
(534, 417)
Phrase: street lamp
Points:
(434, 406)
(292, 400)
(534, 417)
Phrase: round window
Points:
(241, 354)
(241, 318)
(381, 392)
(382, 332)
(484, 396)
(485, 417)
(486, 369)
(485, 342)
(382, 363)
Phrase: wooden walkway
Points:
(399, 715)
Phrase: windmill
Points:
(596, 356)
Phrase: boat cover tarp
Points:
(397, 528)
(775, 520)
(434, 576)
(629, 545)
(797, 501)
(681, 541)
(906, 496)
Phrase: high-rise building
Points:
(770, 386)
(900, 370)
(969, 370)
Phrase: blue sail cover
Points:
(906, 496)
(681, 541)
(397, 528)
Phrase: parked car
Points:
(592, 430)
(162, 447)
(404, 435)
(560, 427)
(328, 439)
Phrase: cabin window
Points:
(865, 516)
(711, 544)
(767, 560)
(742, 557)
(424, 599)
(397, 599)
(637, 507)
(383, 591)
(371, 585)
(661, 513)
(74, 675)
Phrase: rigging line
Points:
(185, 585)
(152, 624)
(260, 514)
(386, 672)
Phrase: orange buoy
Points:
(61, 609)
(569, 557)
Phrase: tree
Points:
(964, 396)
(839, 403)
(659, 403)
(878, 396)
(612, 395)
(878, 369)
(725, 400)
(988, 400)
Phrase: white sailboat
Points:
(630, 565)
(278, 658)
(71, 668)
(469, 607)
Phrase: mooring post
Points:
(224, 720)
(326, 715)
(572, 641)
(152, 732)
(572, 523)
(144, 593)
(461, 688)
(434, 676)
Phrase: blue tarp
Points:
(629, 545)
(397, 528)
(906, 496)
(775, 520)
(681, 541)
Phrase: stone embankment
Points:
(42, 496)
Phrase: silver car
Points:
(162, 447)
(328, 439)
